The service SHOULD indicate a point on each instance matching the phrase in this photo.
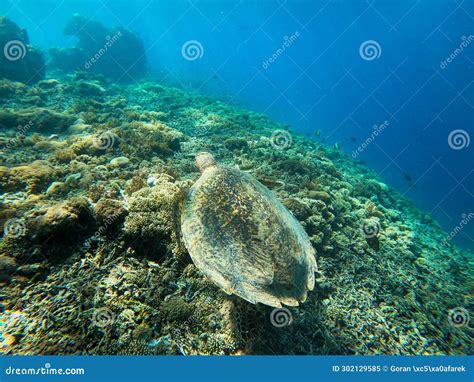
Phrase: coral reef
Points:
(19, 61)
(91, 259)
(101, 51)
(154, 218)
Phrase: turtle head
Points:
(204, 160)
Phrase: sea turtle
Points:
(243, 238)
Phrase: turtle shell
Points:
(243, 239)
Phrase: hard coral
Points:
(146, 140)
(64, 221)
(33, 177)
(20, 61)
(94, 39)
(110, 213)
(153, 220)
(35, 119)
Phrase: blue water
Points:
(320, 80)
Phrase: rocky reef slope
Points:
(91, 261)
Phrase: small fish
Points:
(353, 139)
(336, 146)
(407, 176)
(308, 134)
(317, 133)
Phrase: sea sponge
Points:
(153, 220)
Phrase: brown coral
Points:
(153, 220)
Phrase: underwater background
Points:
(358, 115)
(320, 82)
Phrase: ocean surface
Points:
(319, 78)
